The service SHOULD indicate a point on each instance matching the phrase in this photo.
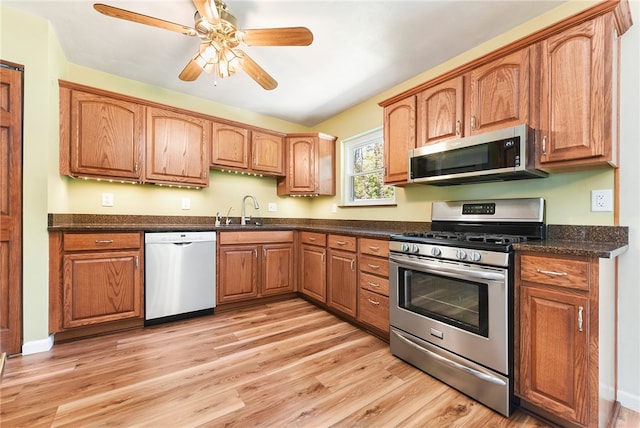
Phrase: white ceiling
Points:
(360, 48)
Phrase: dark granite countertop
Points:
(589, 241)
(92, 222)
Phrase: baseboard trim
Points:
(37, 346)
(630, 401)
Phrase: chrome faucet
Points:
(243, 219)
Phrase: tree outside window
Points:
(363, 182)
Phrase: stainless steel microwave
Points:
(501, 155)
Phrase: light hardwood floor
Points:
(281, 364)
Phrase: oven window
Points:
(460, 303)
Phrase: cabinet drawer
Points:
(347, 243)
(374, 265)
(374, 283)
(101, 241)
(561, 272)
(374, 309)
(375, 247)
(313, 238)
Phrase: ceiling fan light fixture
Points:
(228, 63)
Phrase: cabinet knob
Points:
(544, 145)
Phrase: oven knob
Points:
(404, 247)
(475, 256)
(415, 248)
(461, 255)
(435, 251)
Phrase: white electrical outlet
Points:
(186, 203)
(107, 199)
(272, 207)
(334, 208)
(602, 200)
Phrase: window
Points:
(363, 179)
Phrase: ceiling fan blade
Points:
(192, 70)
(143, 19)
(288, 36)
(256, 72)
(208, 10)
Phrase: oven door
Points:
(460, 307)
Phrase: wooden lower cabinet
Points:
(95, 279)
(313, 266)
(373, 289)
(254, 264)
(342, 274)
(566, 352)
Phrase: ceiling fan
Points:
(220, 37)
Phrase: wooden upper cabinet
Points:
(100, 136)
(440, 112)
(399, 138)
(311, 165)
(267, 153)
(578, 95)
(230, 146)
(177, 147)
(499, 93)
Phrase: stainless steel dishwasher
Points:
(180, 275)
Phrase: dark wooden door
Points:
(10, 210)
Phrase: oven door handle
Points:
(463, 273)
(455, 365)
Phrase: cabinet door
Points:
(577, 84)
(342, 282)
(106, 136)
(499, 93)
(177, 147)
(554, 332)
(267, 153)
(277, 269)
(230, 146)
(302, 164)
(100, 287)
(313, 277)
(399, 138)
(238, 273)
(440, 112)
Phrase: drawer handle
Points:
(373, 248)
(375, 267)
(373, 284)
(552, 273)
(311, 239)
(104, 241)
(373, 302)
(341, 242)
(580, 310)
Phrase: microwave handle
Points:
(463, 273)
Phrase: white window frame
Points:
(347, 149)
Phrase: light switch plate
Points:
(107, 199)
(272, 207)
(186, 203)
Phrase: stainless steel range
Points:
(451, 294)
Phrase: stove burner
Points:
(486, 238)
